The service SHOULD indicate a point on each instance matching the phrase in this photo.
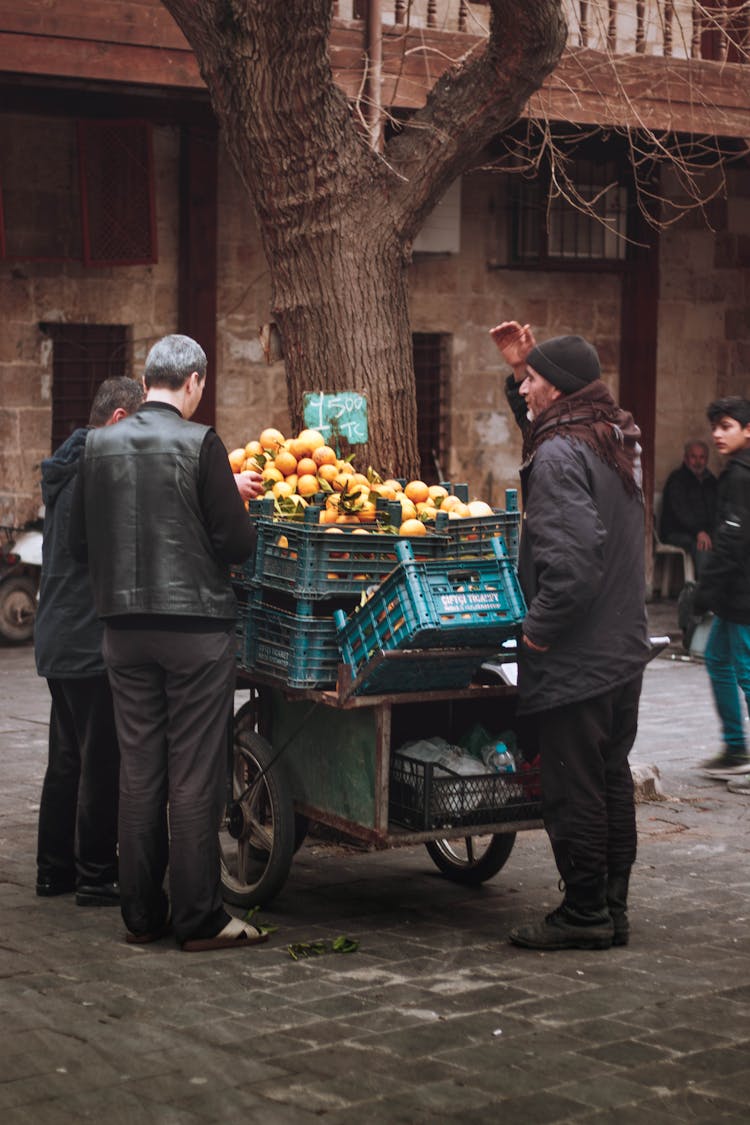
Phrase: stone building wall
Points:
(144, 298)
(704, 329)
(704, 320)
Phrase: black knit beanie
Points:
(567, 362)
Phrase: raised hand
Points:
(514, 341)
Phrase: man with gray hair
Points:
(77, 836)
(688, 514)
(159, 515)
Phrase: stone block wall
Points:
(144, 298)
(704, 324)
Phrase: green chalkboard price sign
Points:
(337, 417)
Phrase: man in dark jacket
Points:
(724, 587)
(584, 641)
(77, 841)
(158, 512)
(688, 513)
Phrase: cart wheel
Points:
(17, 609)
(472, 859)
(256, 839)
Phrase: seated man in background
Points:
(689, 507)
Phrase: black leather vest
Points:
(149, 552)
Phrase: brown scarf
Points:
(592, 416)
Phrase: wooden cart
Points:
(299, 756)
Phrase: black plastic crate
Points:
(424, 796)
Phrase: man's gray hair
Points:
(117, 393)
(691, 445)
(171, 362)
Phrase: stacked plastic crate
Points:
(304, 580)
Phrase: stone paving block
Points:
(540, 1108)
(627, 1053)
(151, 1034)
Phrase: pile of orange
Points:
(294, 469)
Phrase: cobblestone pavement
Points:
(436, 1018)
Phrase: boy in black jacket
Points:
(724, 588)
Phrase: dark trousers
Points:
(587, 788)
(173, 694)
(77, 838)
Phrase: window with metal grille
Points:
(76, 191)
(117, 193)
(432, 369)
(83, 356)
(546, 228)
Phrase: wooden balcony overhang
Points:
(138, 45)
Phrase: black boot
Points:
(617, 901)
(582, 921)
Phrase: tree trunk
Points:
(337, 219)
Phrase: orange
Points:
(252, 448)
(305, 466)
(426, 511)
(449, 503)
(237, 460)
(282, 488)
(328, 515)
(313, 439)
(327, 472)
(437, 492)
(408, 508)
(412, 527)
(367, 512)
(299, 448)
(347, 518)
(270, 473)
(479, 508)
(292, 479)
(285, 462)
(307, 485)
(394, 484)
(346, 467)
(324, 455)
(417, 491)
(385, 491)
(271, 438)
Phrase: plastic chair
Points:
(665, 554)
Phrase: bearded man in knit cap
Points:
(584, 642)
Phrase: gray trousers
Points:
(173, 695)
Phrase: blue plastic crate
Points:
(435, 604)
(313, 561)
(417, 670)
(472, 538)
(296, 649)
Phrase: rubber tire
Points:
(483, 867)
(265, 871)
(16, 594)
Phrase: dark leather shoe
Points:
(49, 888)
(98, 894)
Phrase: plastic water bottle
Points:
(498, 757)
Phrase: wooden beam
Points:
(678, 95)
(197, 283)
(138, 43)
